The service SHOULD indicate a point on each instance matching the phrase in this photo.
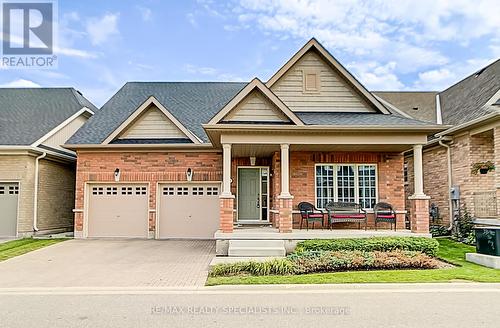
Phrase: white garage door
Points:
(189, 211)
(118, 210)
(9, 193)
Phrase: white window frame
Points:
(356, 181)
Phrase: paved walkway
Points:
(111, 263)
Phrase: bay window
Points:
(346, 183)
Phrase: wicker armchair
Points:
(384, 212)
(310, 214)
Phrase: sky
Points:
(388, 45)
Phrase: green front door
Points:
(249, 194)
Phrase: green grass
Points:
(18, 247)
(449, 251)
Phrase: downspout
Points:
(450, 202)
(35, 199)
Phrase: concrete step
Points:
(234, 259)
(256, 248)
(256, 251)
(256, 243)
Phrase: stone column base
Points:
(226, 214)
(285, 214)
(419, 213)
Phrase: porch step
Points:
(256, 248)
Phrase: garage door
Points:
(118, 210)
(189, 211)
(9, 193)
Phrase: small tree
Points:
(464, 228)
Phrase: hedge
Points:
(329, 261)
(417, 244)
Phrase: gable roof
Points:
(407, 101)
(335, 64)
(255, 84)
(28, 114)
(140, 110)
(191, 103)
(467, 100)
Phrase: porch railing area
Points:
(485, 204)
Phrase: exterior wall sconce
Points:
(117, 175)
(189, 174)
(252, 160)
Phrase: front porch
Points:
(291, 239)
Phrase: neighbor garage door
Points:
(189, 210)
(118, 210)
(9, 193)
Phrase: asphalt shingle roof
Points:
(192, 103)
(420, 105)
(322, 118)
(27, 114)
(465, 100)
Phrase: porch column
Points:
(226, 197)
(285, 198)
(419, 200)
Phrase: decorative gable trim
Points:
(313, 43)
(140, 110)
(255, 84)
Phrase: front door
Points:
(249, 194)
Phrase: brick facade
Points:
(149, 167)
(475, 190)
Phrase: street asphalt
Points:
(376, 305)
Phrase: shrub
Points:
(437, 230)
(418, 244)
(330, 261)
(464, 231)
(272, 267)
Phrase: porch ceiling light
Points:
(252, 160)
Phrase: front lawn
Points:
(22, 246)
(449, 251)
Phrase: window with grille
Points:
(111, 191)
(140, 190)
(346, 183)
(212, 191)
(182, 191)
(97, 191)
(168, 191)
(127, 190)
(2, 190)
(198, 191)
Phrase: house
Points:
(37, 175)
(187, 159)
(471, 109)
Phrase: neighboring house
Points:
(37, 175)
(471, 109)
(183, 159)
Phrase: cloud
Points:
(441, 78)
(407, 38)
(20, 83)
(101, 29)
(212, 73)
(146, 13)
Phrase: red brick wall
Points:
(143, 167)
(390, 177)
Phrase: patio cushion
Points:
(385, 216)
(348, 216)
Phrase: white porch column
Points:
(418, 171)
(285, 171)
(226, 170)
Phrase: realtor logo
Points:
(28, 34)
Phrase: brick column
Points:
(226, 214)
(285, 214)
(419, 201)
(419, 214)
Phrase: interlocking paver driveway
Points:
(111, 263)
